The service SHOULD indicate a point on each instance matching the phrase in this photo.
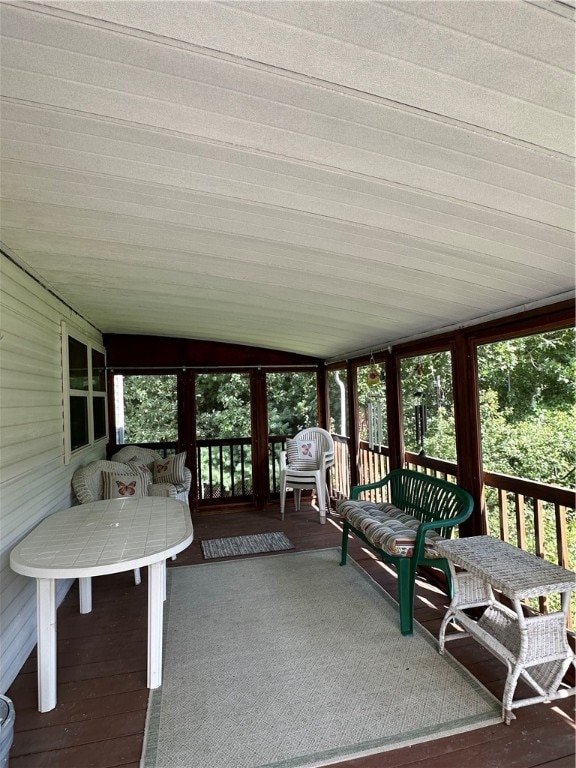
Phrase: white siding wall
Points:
(34, 481)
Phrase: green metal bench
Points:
(420, 510)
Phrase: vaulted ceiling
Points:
(317, 177)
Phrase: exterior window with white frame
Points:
(84, 393)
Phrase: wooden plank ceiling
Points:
(317, 177)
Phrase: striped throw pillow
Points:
(142, 469)
(170, 470)
(301, 454)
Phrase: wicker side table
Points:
(534, 648)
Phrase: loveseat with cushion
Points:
(113, 480)
(171, 470)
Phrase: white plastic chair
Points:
(298, 478)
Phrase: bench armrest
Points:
(432, 525)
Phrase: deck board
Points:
(102, 696)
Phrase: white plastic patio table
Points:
(93, 540)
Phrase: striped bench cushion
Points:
(387, 527)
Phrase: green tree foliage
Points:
(527, 401)
(531, 373)
(528, 406)
(539, 448)
(427, 383)
(150, 409)
(222, 405)
(527, 394)
(371, 394)
(292, 402)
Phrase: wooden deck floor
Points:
(102, 695)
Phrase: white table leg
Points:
(85, 588)
(156, 586)
(46, 633)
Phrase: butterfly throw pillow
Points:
(170, 470)
(119, 486)
(301, 454)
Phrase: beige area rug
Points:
(291, 660)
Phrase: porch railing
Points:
(446, 470)
(533, 516)
(340, 473)
(224, 468)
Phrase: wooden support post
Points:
(323, 400)
(468, 435)
(259, 399)
(394, 411)
(351, 373)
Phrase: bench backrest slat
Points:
(425, 497)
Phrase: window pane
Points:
(98, 371)
(527, 394)
(292, 402)
(146, 409)
(528, 406)
(78, 422)
(99, 413)
(292, 405)
(223, 429)
(78, 364)
(428, 405)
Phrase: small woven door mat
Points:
(253, 544)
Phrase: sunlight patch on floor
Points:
(334, 523)
(425, 601)
(421, 583)
(565, 715)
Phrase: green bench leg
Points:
(406, 594)
(344, 547)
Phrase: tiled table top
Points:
(104, 537)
